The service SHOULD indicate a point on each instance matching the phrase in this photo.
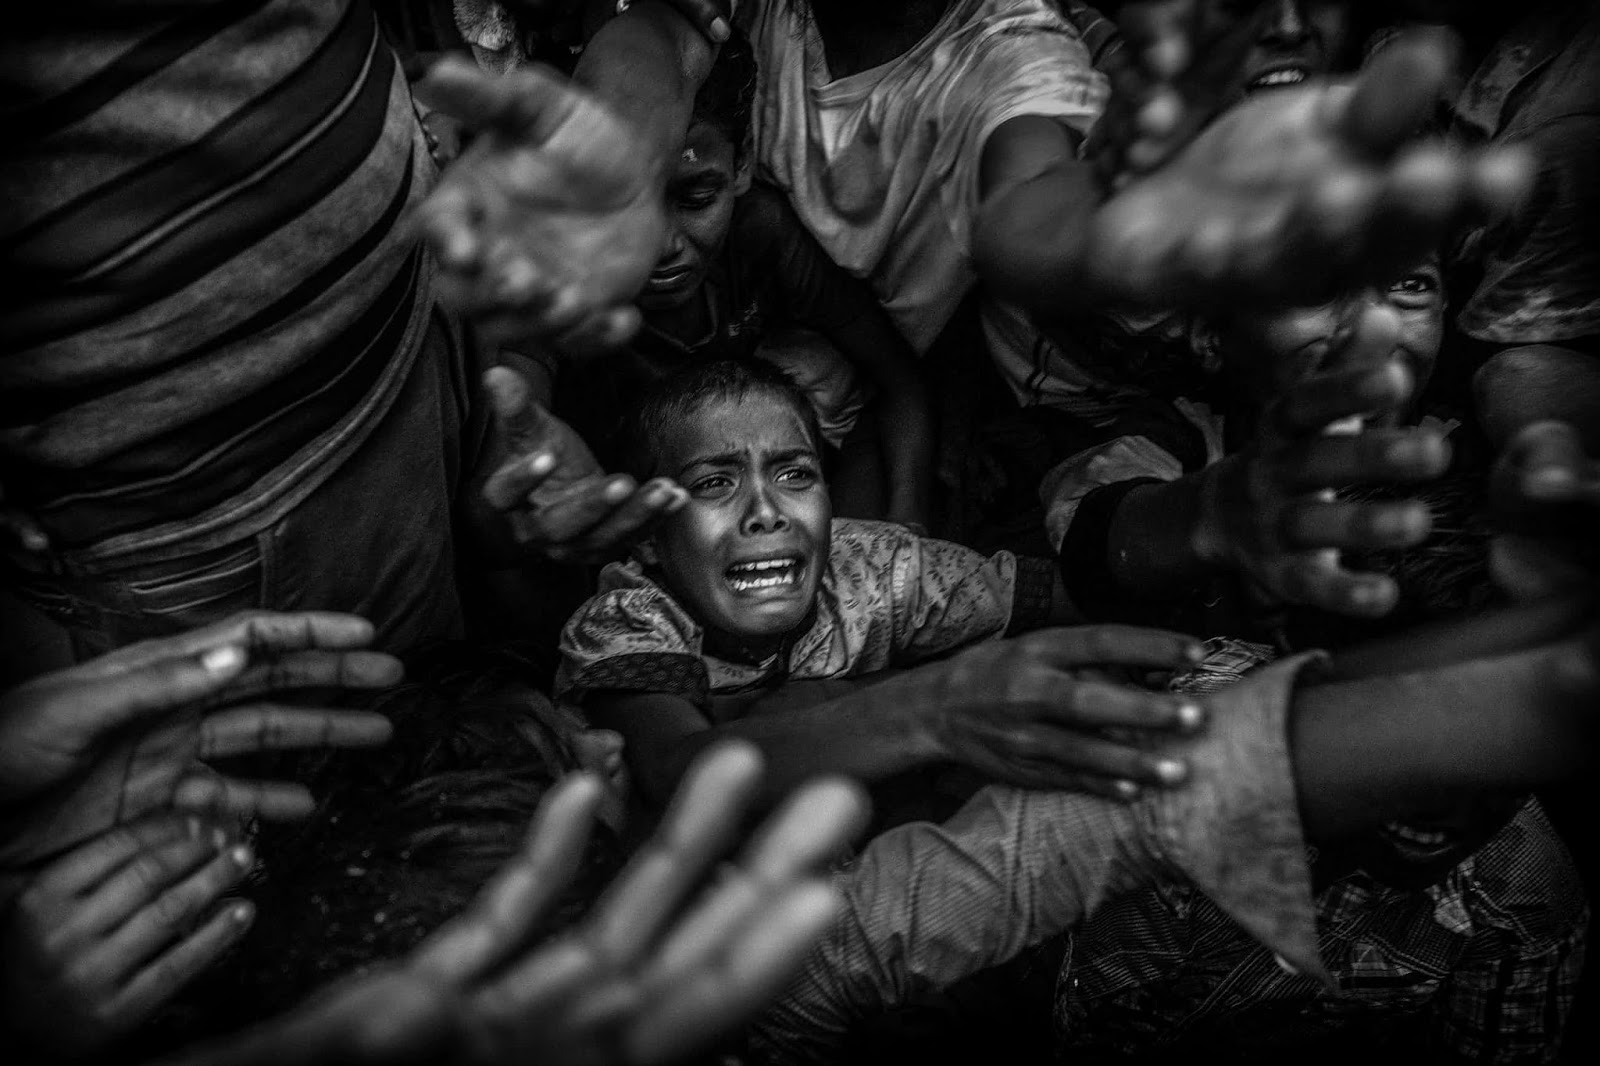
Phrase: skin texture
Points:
(657, 972)
(700, 196)
(106, 934)
(547, 491)
(128, 734)
(756, 492)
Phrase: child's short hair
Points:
(728, 94)
(676, 399)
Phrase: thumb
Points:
(111, 702)
(516, 410)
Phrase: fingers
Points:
(182, 893)
(1316, 579)
(159, 870)
(86, 866)
(519, 897)
(1374, 456)
(218, 796)
(1312, 524)
(700, 825)
(1544, 464)
(1321, 399)
(1098, 704)
(519, 415)
(697, 1009)
(317, 669)
(270, 727)
(1114, 645)
(705, 16)
(510, 484)
(813, 826)
(630, 522)
(1074, 754)
(156, 984)
(119, 697)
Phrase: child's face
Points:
(1268, 352)
(745, 556)
(700, 197)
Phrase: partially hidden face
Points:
(1268, 352)
(747, 553)
(1293, 39)
(700, 198)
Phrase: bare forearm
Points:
(1371, 750)
(869, 734)
(1028, 243)
(908, 440)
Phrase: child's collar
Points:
(732, 649)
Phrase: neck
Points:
(859, 35)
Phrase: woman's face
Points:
(1268, 352)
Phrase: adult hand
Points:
(549, 223)
(552, 490)
(1545, 490)
(1267, 514)
(1034, 711)
(1299, 194)
(125, 735)
(659, 970)
(710, 17)
(102, 938)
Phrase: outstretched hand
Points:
(548, 224)
(551, 489)
(1266, 513)
(1292, 195)
(678, 952)
(102, 938)
(1038, 712)
(125, 735)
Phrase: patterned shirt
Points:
(888, 597)
(206, 276)
(1484, 964)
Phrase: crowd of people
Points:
(798, 531)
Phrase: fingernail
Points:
(34, 541)
(658, 496)
(1127, 790)
(1195, 653)
(222, 660)
(679, 498)
(720, 31)
(1171, 771)
(241, 856)
(240, 913)
(541, 464)
(1190, 716)
(617, 491)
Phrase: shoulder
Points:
(629, 612)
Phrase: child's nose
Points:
(763, 515)
(1286, 23)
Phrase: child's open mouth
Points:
(759, 574)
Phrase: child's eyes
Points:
(697, 201)
(798, 477)
(711, 485)
(1414, 288)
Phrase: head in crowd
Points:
(713, 171)
(1263, 352)
(406, 835)
(746, 555)
(1284, 42)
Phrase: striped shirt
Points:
(204, 274)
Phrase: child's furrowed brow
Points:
(721, 459)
